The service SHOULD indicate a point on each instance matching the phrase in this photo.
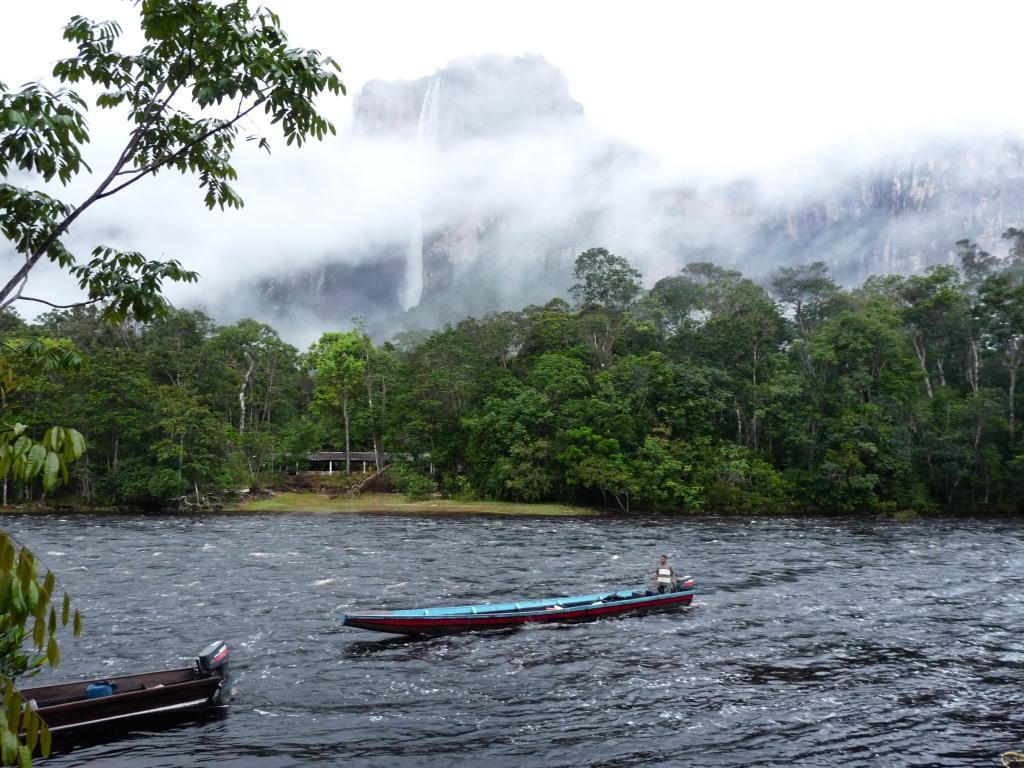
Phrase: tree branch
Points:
(59, 306)
(167, 159)
(22, 274)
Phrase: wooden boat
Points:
(96, 709)
(462, 618)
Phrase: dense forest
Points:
(707, 393)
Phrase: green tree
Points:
(199, 54)
(29, 622)
(23, 458)
(596, 462)
(175, 349)
(667, 479)
(255, 363)
(871, 383)
(809, 297)
(736, 327)
(194, 442)
(1000, 312)
(444, 379)
(339, 364)
(808, 291)
(604, 279)
(510, 449)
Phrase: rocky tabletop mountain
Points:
(511, 182)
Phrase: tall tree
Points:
(808, 290)
(198, 54)
(935, 310)
(605, 280)
(1001, 313)
(256, 362)
(339, 364)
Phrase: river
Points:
(812, 642)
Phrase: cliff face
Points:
(483, 96)
(513, 183)
(904, 213)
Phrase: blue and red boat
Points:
(463, 618)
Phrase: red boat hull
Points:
(385, 621)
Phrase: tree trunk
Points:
(1011, 396)
(973, 365)
(922, 355)
(753, 396)
(373, 419)
(241, 395)
(344, 415)
(270, 392)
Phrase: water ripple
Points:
(812, 642)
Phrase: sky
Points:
(724, 85)
(709, 89)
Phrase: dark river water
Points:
(810, 643)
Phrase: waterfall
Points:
(426, 139)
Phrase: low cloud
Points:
(504, 194)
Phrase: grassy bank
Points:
(394, 503)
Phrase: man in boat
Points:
(665, 576)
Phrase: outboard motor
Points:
(213, 661)
(212, 658)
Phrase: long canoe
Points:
(462, 618)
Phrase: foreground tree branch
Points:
(198, 56)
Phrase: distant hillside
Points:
(513, 182)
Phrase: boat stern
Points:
(212, 661)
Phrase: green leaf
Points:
(75, 445)
(13, 710)
(51, 469)
(35, 460)
(39, 633)
(17, 603)
(8, 747)
(44, 740)
(7, 554)
(53, 652)
(5, 591)
(31, 729)
(32, 597)
(54, 438)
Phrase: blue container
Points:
(96, 690)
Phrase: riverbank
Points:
(313, 501)
(393, 503)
